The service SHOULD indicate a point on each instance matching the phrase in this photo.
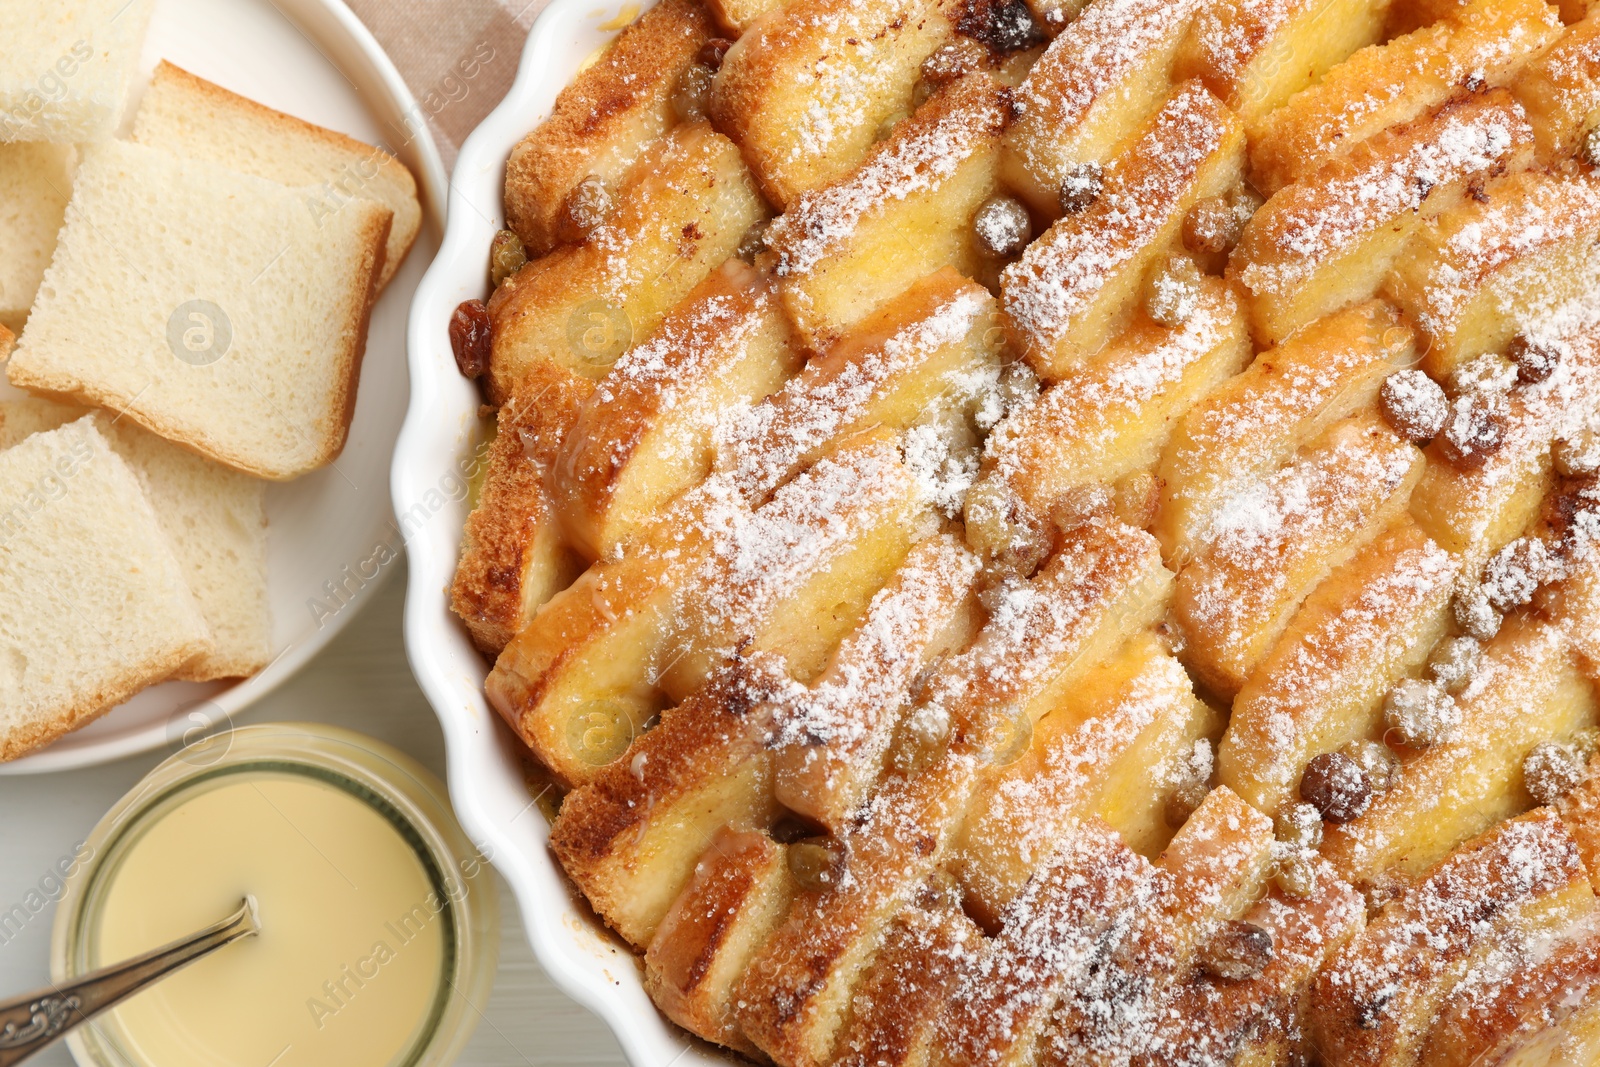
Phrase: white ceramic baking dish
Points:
(438, 443)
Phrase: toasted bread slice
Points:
(681, 212)
(37, 181)
(1476, 277)
(1112, 415)
(1105, 584)
(1330, 240)
(834, 736)
(897, 1007)
(647, 432)
(1021, 809)
(740, 892)
(1261, 1020)
(931, 348)
(1256, 56)
(797, 997)
(801, 575)
(631, 837)
(1561, 90)
(1075, 287)
(1220, 861)
(806, 89)
(1277, 542)
(1096, 85)
(1252, 424)
(1544, 1010)
(68, 70)
(1527, 691)
(847, 248)
(585, 675)
(259, 375)
(1486, 41)
(1381, 996)
(189, 116)
(94, 606)
(513, 557)
(1372, 621)
(1091, 898)
(603, 120)
(1473, 510)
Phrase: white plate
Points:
(310, 58)
(442, 432)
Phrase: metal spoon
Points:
(30, 1022)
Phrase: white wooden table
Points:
(360, 681)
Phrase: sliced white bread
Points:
(215, 519)
(66, 67)
(217, 309)
(35, 182)
(93, 604)
(184, 113)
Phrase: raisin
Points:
(1237, 951)
(1420, 713)
(583, 211)
(471, 338)
(1475, 429)
(1300, 826)
(1081, 188)
(1534, 359)
(1003, 227)
(1454, 662)
(506, 257)
(1551, 771)
(1002, 26)
(713, 52)
(1414, 406)
(1378, 760)
(1336, 786)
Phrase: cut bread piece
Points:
(214, 519)
(681, 212)
(1095, 86)
(1075, 287)
(68, 68)
(647, 432)
(1526, 691)
(35, 184)
(740, 892)
(799, 577)
(230, 320)
(1545, 1009)
(1372, 621)
(1261, 1020)
(1474, 510)
(1486, 42)
(846, 249)
(1110, 417)
(94, 606)
(1492, 268)
(805, 91)
(584, 676)
(632, 837)
(832, 739)
(1483, 907)
(1253, 423)
(737, 16)
(513, 557)
(1020, 809)
(1561, 91)
(1330, 240)
(897, 1006)
(1278, 540)
(1089, 900)
(189, 116)
(797, 996)
(932, 348)
(603, 120)
(1255, 55)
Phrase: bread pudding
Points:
(1064, 532)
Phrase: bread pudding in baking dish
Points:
(1064, 533)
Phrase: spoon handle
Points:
(30, 1022)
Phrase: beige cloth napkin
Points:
(458, 56)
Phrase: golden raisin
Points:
(506, 257)
(583, 211)
(1237, 951)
